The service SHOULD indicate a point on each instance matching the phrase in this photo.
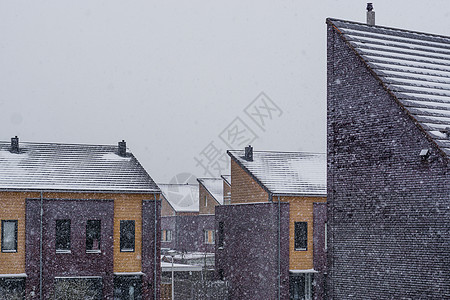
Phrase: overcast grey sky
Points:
(170, 77)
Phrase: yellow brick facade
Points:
(244, 189)
(301, 210)
(12, 207)
(226, 193)
(166, 209)
(211, 203)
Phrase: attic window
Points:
(446, 131)
(424, 154)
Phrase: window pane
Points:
(220, 233)
(9, 236)
(127, 236)
(62, 234)
(301, 235)
(93, 234)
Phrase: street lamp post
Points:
(172, 253)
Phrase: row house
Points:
(210, 196)
(226, 189)
(179, 215)
(270, 240)
(77, 219)
(188, 214)
(388, 162)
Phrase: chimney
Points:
(15, 144)
(370, 14)
(122, 148)
(249, 153)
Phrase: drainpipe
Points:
(40, 246)
(155, 252)
(279, 249)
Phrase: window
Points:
(300, 286)
(220, 234)
(9, 235)
(301, 236)
(206, 201)
(93, 230)
(62, 235)
(209, 237)
(128, 287)
(166, 235)
(127, 236)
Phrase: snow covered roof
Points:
(414, 67)
(214, 186)
(227, 179)
(287, 173)
(182, 197)
(49, 166)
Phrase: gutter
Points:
(40, 245)
(78, 191)
(279, 249)
(155, 253)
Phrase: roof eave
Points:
(93, 191)
(299, 195)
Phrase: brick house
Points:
(226, 189)
(270, 239)
(210, 196)
(84, 216)
(179, 217)
(388, 154)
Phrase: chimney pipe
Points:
(122, 148)
(249, 153)
(15, 144)
(370, 14)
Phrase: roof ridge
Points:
(274, 151)
(63, 144)
(387, 27)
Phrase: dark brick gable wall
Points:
(249, 257)
(151, 250)
(189, 233)
(76, 263)
(388, 211)
(320, 253)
